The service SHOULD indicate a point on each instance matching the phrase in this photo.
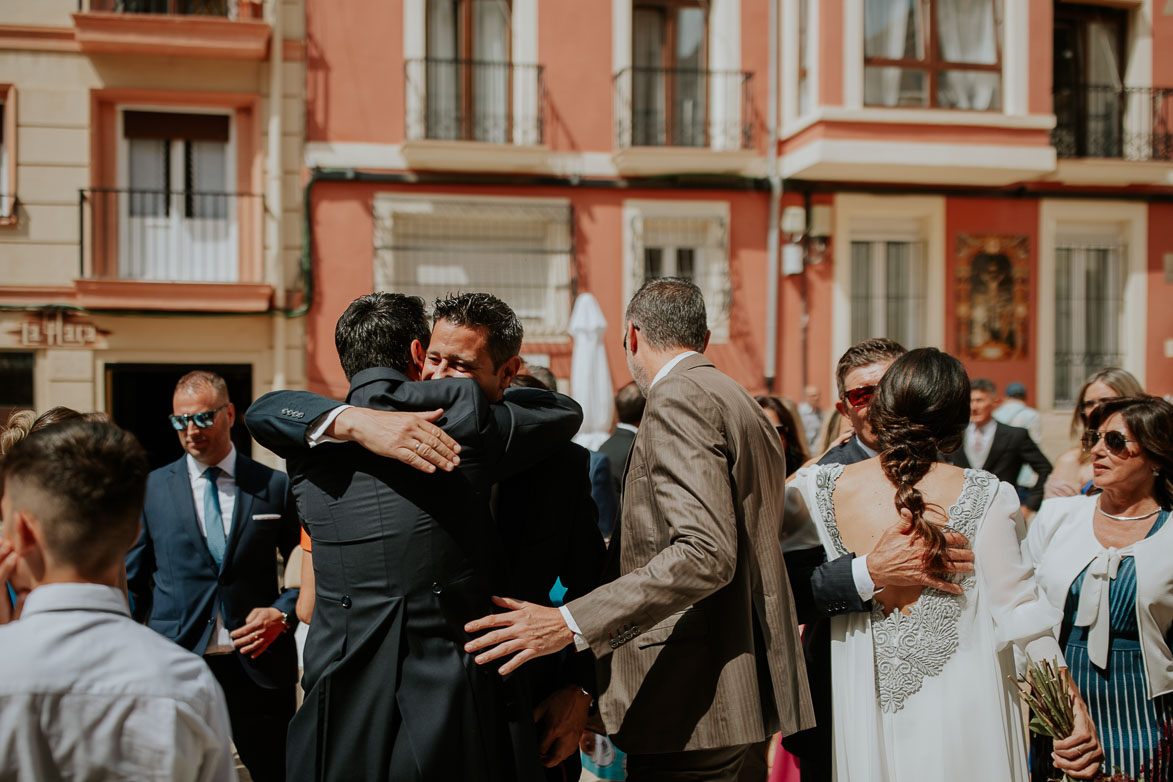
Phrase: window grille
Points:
(694, 248)
(521, 253)
(1089, 312)
(888, 291)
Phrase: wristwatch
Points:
(285, 620)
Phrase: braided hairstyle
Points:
(920, 410)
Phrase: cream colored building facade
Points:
(150, 202)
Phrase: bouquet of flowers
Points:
(1052, 705)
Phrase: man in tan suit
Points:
(695, 628)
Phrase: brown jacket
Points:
(695, 630)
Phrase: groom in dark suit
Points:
(402, 559)
(203, 571)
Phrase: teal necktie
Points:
(213, 520)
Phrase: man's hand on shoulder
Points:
(898, 558)
(561, 718)
(410, 438)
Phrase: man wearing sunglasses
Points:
(847, 584)
(203, 571)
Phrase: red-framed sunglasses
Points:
(858, 397)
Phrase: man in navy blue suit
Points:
(203, 571)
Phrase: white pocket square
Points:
(266, 516)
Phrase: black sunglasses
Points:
(201, 420)
(1116, 442)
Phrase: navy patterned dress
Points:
(1130, 725)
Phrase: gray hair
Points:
(199, 379)
(670, 313)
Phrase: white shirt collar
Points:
(986, 428)
(865, 449)
(629, 427)
(228, 465)
(664, 370)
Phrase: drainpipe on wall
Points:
(274, 204)
(775, 200)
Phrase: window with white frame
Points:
(888, 280)
(691, 247)
(942, 53)
(177, 207)
(7, 199)
(1089, 311)
(518, 249)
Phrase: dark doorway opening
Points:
(138, 398)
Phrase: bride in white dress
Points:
(921, 684)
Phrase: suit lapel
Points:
(997, 445)
(249, 485)
(183, 500)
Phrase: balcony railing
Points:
(656, 107)
(1128, 123)
(169, 236)
(225, 8)
(470, 100)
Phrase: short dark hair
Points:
(543, 375)
(862, 354)
(629, 404)
(1150, 422)
(670, 313)
(199, 379)
(503, 330)
(377, 330)
(86, 482)
(983, 384)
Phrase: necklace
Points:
(1126, 518)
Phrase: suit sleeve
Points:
(833, 588)
(288, 537)
(1039, 463)
(688, 480)
(533, 423)
(278, 420)
(581, 570)
(140, 572)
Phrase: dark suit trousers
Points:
(702, 765)
(259, 716)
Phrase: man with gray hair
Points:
(694, 626)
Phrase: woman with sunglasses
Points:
(1104, 558)
(789, 426)
(1073, 469)
(922, 683)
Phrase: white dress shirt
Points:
(978, 440)
(88, 693)
(220, 641)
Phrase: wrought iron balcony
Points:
(656, 107)
(1128, 123)
(225, 8)
(471, 100)
(169, 236)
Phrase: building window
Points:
(692, 247)
(670, 77)
(7, 153)
(888, 291)
(177, 212)
(806, 58)
(16, 383)
(518, 249)
(1089, 311)
(468, 70)
(941, 53)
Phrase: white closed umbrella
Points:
(590, 378)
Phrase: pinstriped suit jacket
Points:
(696, 631)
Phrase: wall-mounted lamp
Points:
(805, 246)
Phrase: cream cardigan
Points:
(1062, 542)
